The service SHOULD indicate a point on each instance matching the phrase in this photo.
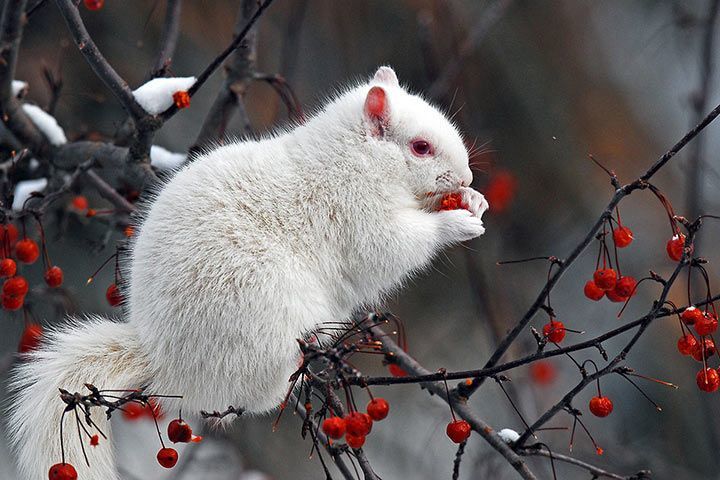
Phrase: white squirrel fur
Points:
(246, 249)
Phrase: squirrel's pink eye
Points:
(421, 148)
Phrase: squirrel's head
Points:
(431, 146)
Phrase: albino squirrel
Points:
(248, 248)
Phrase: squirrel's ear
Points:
(387, 76)
(377, 110)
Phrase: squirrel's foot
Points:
(460, 225)
(473, 201)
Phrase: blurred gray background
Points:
(545, 85)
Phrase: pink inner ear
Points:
(376, 103)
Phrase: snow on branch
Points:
(46, 123)
(156, 96)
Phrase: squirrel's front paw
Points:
(460, 225)
(474, 201)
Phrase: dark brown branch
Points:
(411, 366)
(332, 450)
(97, 62)
(490, 371)
(596, 472)
(169, 37)
(580, 248)
(239, 69)
(215, 64)
(109, 193)
(11, 28)
(654, 313)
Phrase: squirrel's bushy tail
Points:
(99, 351)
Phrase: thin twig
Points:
(97, 62)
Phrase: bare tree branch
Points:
(169, 37)
(239, 70)
(97, 62)
(11, 28)
(411, 366)
(215, 64)
(596, 472)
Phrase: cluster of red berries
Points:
(178, 432)
(452, 201)
(356, 426)
(606, 282)
(25, 251)
(702, 347)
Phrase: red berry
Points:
(15, 287)
(605, 278)
(622, 236)
(601, 406)
(458, 430)
(358, 424)
(12, 303)
(554, 331)
(94, 441)
(334, 427)
(31, 337)
(8, 232)
(708, 380)
(675, 247)
(27, 250)
(704, 349)
(543, 372)
(62, 471)
(396, 370)
(181, 99)
(687, 344)
(8, 267)
(593, 292)
(614, 296)
(133, 411)
(167, 457)
(378, 409)
(625, 287)
(94, 5)
(706, 325)
(355, 441)
(179, 432)
(80, 202)
(691, 315)
(54, 277)
(112, 294)
(451, 201)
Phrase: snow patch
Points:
(24, 189)
(156, 96)
(508, 435)
(46, 123)
(164, 159)
(18, 86)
